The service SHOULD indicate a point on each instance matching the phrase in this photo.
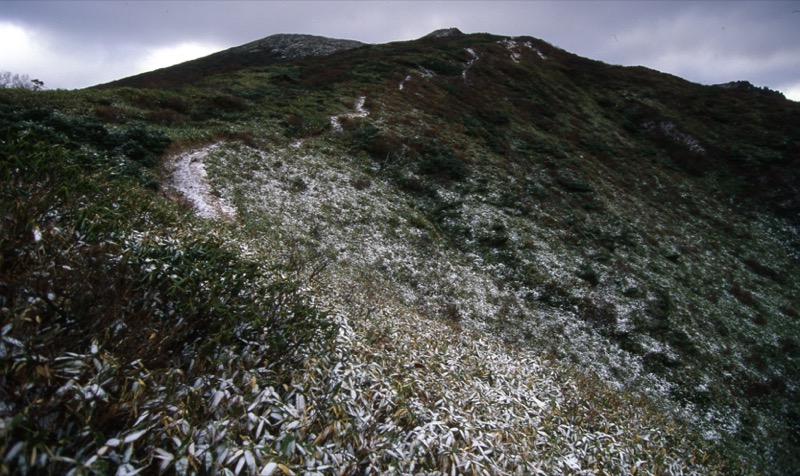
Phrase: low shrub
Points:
(94, 145)
(743, 296)
(106, 330)
(440, 162)
(598, 314)
(384, 147)
(589, 274)
(764, 270)
(305, 124)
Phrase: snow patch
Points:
(190, 179)
(469, 63)
(420, 71)
(426, 73)
(403, 82)
(336, 124)
(511, 46)
(359, 106)
(514, 49)
(669, 129)
(528, 45)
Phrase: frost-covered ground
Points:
(189, 178)
(313, 201)
(414, 383)
(399, 393)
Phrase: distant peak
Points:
(290, 46)
(444, 33)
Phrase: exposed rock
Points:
(292, 46)
(445, 33)
(748, 87)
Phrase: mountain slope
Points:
(280, 48)
(535, 261)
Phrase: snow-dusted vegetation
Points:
(446, 256)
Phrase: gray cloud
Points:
(708, 42)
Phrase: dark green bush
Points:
(440, 162)
(142, 144)
(383, 147)
(93, 144)
(443, 67)
(495, 237)
(599, 314)
(588, 273)
(303, 123)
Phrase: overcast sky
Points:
(75, 44)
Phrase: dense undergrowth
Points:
(534, 262)
(118, 309)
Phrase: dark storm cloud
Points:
(714, 42)
(702, 41)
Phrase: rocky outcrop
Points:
(292, 46)
(444, 33)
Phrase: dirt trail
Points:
(190, 179)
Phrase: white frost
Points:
(469, 63)
(513, 49)
(190, 179)
(336, 124)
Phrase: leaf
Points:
(164, 455)
(217, 398)
(128, 470)
(239, 466)
(269, 469)
(285, 469)
(134, 436)
(324, 434)
(251, 460)
(14, 450)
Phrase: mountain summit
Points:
(462, 254)
(278, 48)
(294, 46)
(444, 33)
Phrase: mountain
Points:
(280, 48)
(462, 253)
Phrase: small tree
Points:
(9, 80)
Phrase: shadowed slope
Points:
(280, 48)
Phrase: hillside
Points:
(274, 49)
(463, 254)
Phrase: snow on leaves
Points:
(399, 393)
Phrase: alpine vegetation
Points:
(463, 254)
